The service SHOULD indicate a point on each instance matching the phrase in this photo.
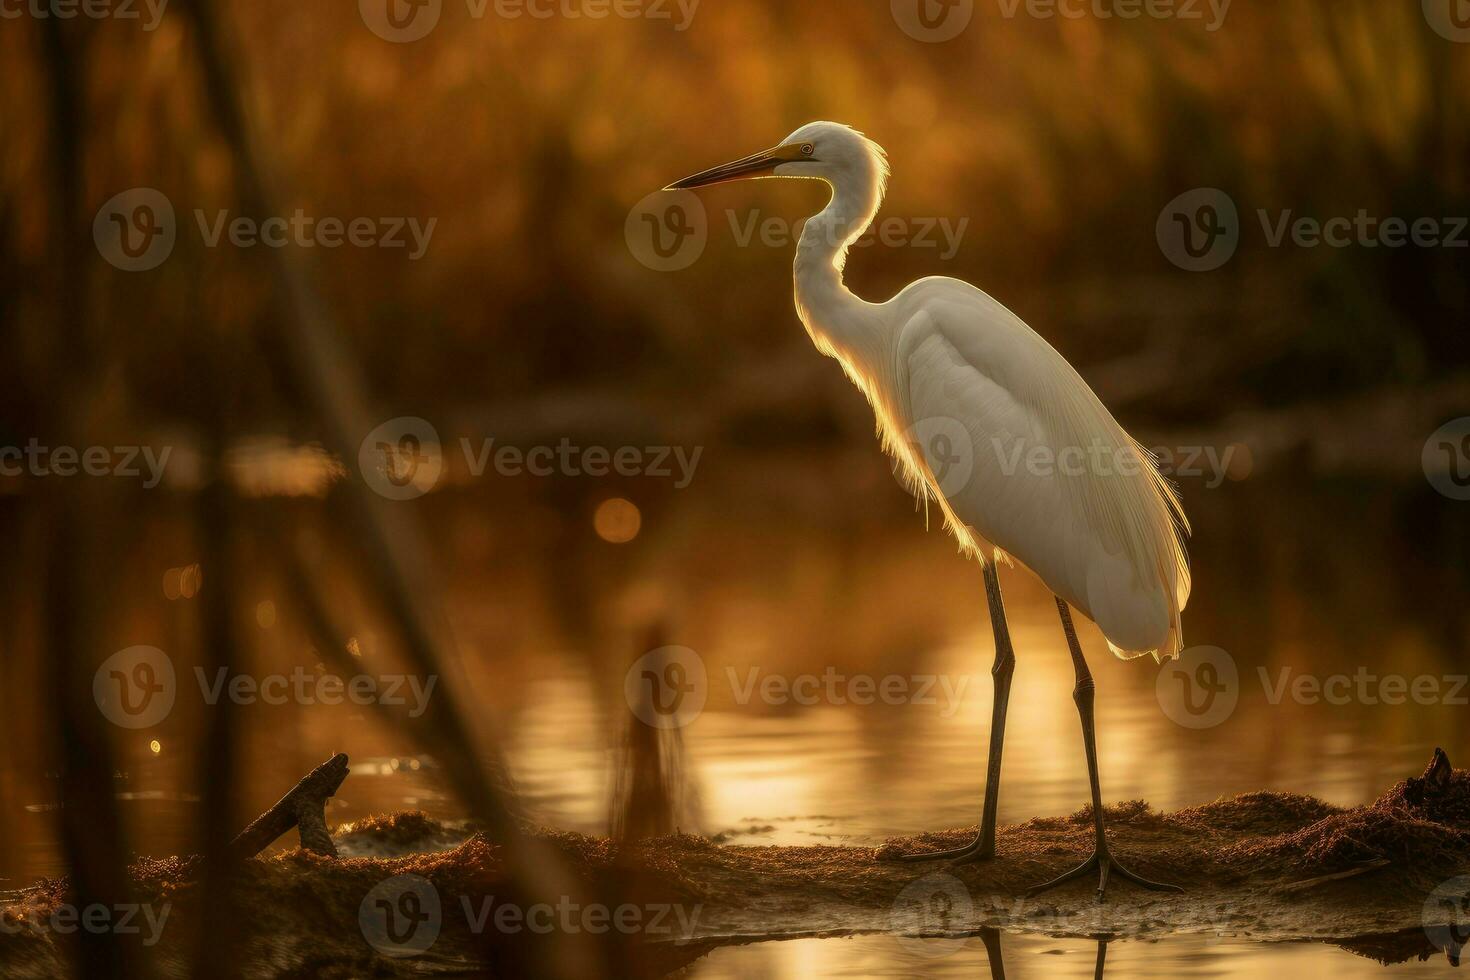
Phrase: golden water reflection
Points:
(1027, 957)
(771, 578)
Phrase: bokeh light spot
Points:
(617, 520)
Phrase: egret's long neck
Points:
(840, 323)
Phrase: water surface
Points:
(770, 578)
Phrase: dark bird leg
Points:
(983, 846)
(991, 938)
(1102, 860)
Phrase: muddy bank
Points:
(1265, 866)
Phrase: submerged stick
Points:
(1362, 869)
(301, 808)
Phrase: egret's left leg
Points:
(1102, 861)
(983, 846)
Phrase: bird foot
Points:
(977, 850)
(1105, 865)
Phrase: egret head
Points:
(823, 150)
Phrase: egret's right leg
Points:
(1102, 861)
(983, 846)
(991, 938)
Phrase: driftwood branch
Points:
(301, 808)
(1362, 869)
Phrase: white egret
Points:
(1054, 481)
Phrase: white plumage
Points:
(989, 422)
(1053, 480)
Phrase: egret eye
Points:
(807, 149)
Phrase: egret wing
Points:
(1052, 479)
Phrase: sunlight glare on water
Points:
(1027, 957)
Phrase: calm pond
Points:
(847, 692)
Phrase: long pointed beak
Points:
(756, 165)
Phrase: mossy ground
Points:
(1243, 862)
